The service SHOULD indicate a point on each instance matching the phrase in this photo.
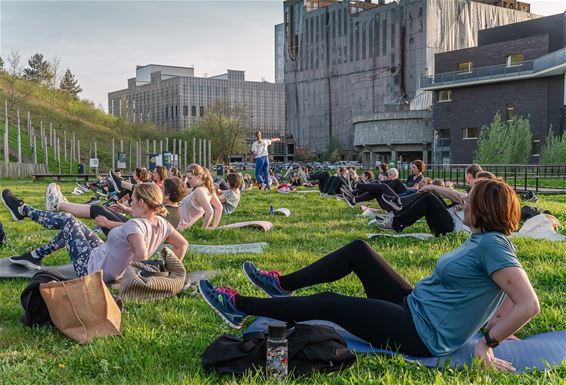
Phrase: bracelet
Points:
(492, 343)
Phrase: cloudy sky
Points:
(103, 41)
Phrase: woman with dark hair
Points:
(417, 169)
(479, 280)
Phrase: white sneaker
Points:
(53, 197)
(383, 221)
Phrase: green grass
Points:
(163, 341)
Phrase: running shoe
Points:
(268, 281)
(115, 181)
(221, 300)
(53, 197)
(13, 204)
(393, 201)
(27, 260)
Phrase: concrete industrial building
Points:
(280, 53)
(352, 70)
(174, 99)
(516, 70)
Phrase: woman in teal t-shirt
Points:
(480, 281)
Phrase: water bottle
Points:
(271, 210)
(277, 362)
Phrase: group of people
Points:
(480, 284)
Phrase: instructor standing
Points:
(259, 148)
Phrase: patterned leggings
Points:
(76, 236)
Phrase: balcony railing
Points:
(546, 62)
(443, 142)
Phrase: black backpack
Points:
(311, 348)
(35, 310)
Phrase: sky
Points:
(101, 42)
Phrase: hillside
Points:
(65, 114)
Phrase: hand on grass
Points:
(485, 353)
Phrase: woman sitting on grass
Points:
(135, 240)
(480, 279)
(202, 201)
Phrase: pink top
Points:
(113, 256)
(188, 212)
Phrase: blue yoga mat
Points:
(541, 351)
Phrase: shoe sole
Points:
(14, 217)
(261, 288)
(352, 205)
(47, 189)
(226, 320)
(393, 205)
(26, 264)
(114, 184)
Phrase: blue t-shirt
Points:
(457, 299)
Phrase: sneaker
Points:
(93, 201)
(381, 218)
(53, 197)
(393, 201)
(27, 260)
(221, 300)
(115, 181)
(350, 200)
(13, 204)
(346, 192)
(84, 187)
(268, 281)
(3, 238)
(304, 178)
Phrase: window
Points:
(444, 95)
(193, 110)
(201, 111)
(509, 112)
(515, 59)
(185, 110)
(470, 133)
(465, 67)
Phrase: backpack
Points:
(35, 310)
(310, 348)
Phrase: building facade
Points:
(352, 70)
(174, 99)
(516, 70)
(279, 53)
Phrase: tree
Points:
(554, 150)
(504, 143)
(333, 150)
(225, 127)
(1, 65)
(38, 70)
(14, 72)
(69, 85)
(55, 72)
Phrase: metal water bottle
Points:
(277, 352)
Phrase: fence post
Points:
(185, 154)
(30, 134)
(78, 151)
(19, 138)
(6, 149)
(210, 154)
(154, 146)
(166, 144)
(34, 150)
(526, 176)
(45, 153)
(161, 149)
(194, 150)
(200, 152)
(204, 153)
(113, 154)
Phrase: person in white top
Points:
(259, 148)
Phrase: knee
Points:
(360, 245)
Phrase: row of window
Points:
(446, 96)
(512, 60)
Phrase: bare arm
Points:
(105, 222)
(217, 206)
(454, 196)
(137, 244)
(179, 243)
(203, 201)
(515, 283)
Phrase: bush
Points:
(505, 142)
(554, 150)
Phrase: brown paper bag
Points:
(82, 308)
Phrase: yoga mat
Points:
(541, 351)
(194, 276)
(10, 270)
(256, 248)
(265, 225)
(421, 236)
(282, 210)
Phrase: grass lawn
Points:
(163, 341)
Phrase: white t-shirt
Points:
(260, 149)
(113, 256)
(457, 215)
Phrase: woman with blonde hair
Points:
(201, 201)
(135, 240)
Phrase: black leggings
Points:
(382, 318)
(333, 185)
(322, 177)
(427, 205)
(370, 191)
(96, 210)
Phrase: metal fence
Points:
(538, 178)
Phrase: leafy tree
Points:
(554, 150)
(333, 150)
(504, 142)
(225, 126)
(69, 85)
(38, 70)
(2, 65)
(55, 77)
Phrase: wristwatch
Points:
(492, 343)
